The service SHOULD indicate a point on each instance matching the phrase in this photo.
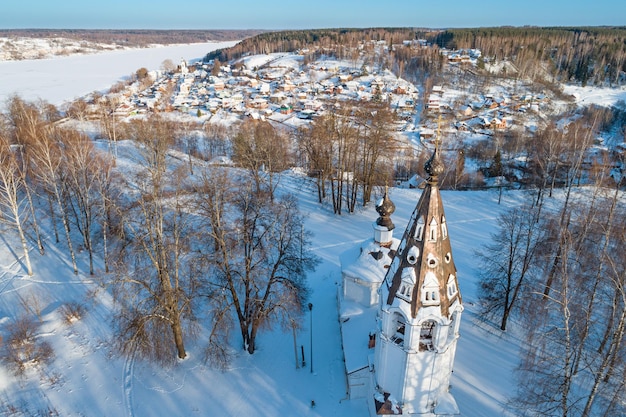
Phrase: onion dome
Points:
(434, 166)
(385, 209)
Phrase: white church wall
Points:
(421, 383)
(358, 383)
(392, 363)
(359, 291)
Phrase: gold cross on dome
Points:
(438, 136)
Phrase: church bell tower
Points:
(419, 314)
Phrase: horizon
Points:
(251, 15)
(122, 29)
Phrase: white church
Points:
(406, 292)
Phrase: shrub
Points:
(22, 347)
(72, 312)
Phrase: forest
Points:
(585, 55)
(589, 55)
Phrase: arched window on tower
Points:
(419, 229)
(427, 336)
(433, 230)
(453, 328)
(398, 329)
(430, 290)
(405, 291)
(452, 289)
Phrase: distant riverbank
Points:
(63, 79)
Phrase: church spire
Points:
(425, 251)
(419, 311)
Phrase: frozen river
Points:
(62, 79)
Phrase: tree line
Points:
(293, 40)
(133, 37)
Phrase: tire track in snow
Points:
(129, 374)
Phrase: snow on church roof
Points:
(356, 322)
(360, 261)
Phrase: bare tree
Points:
(108, 121)
(375, 147)
(574, 364)
(12, 208)
(604, 333)
(84, 171)
(25, 119)
(263, 151)
(334, 143)
(43, 157)
(155, 284)
(317, 156)
(545, 373)
(579, 139)
(168, 66)
(507, 262)
(260, 258)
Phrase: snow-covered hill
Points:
(19, 48)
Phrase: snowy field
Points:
(87, 379)
(604, 96)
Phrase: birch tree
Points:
(84, 171)
(26, 122)
(574, 364)
(43, 158)
(12, 199)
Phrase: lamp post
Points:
(295, 345)
(311, 327)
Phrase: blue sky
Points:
(256, 14)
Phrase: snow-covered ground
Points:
(84, 379)
(602, 96)
(87, 379)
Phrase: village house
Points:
(264, 88)
(434, 102)
(467, 111)
(285, 109)
(218, 84)
(258, 103)
(286, 87)
(399, 90)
